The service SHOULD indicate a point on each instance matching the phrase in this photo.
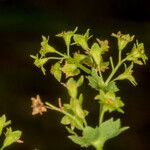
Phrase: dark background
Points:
(22, 22)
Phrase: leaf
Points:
(11, 137)
(112, 87)
(95, 81)
(89, 135)
(110, 129)
(99, 135)
(56, 71)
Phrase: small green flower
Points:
(110, 101)
(123, 40)
(45, 47)
(127, 74)
(137, 53)
(67, 36)
(81, 40)
(39, 62)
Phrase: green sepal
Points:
(56, 71)
(45, 47)
(81, 40)
(72, 86)
(67, 36)
(96, 53)
(40, 62)
(79, 57)
(70, 69)
(3, 123)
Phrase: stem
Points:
(68, 51)
(50, 106)
(55, 58)
(101, 114)
(59, 53)
(115, 70)
(112, 64)
(100, 73)
(98, 144)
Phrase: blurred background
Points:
(22, 22)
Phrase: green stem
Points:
(57, 58)
(50, 106)
(68, 51)
(114, 71)
(101, 114)
(61, 54)
(98, 144)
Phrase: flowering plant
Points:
(89, 63)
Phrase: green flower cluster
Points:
(88, 63)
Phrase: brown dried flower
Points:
(37, 106)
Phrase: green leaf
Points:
(11, 137)
(99, 135)
(3, 123)
(112, 87)
(89, 135)
(95, 81)
(56, 71)
(70, 69)
(110, 129)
